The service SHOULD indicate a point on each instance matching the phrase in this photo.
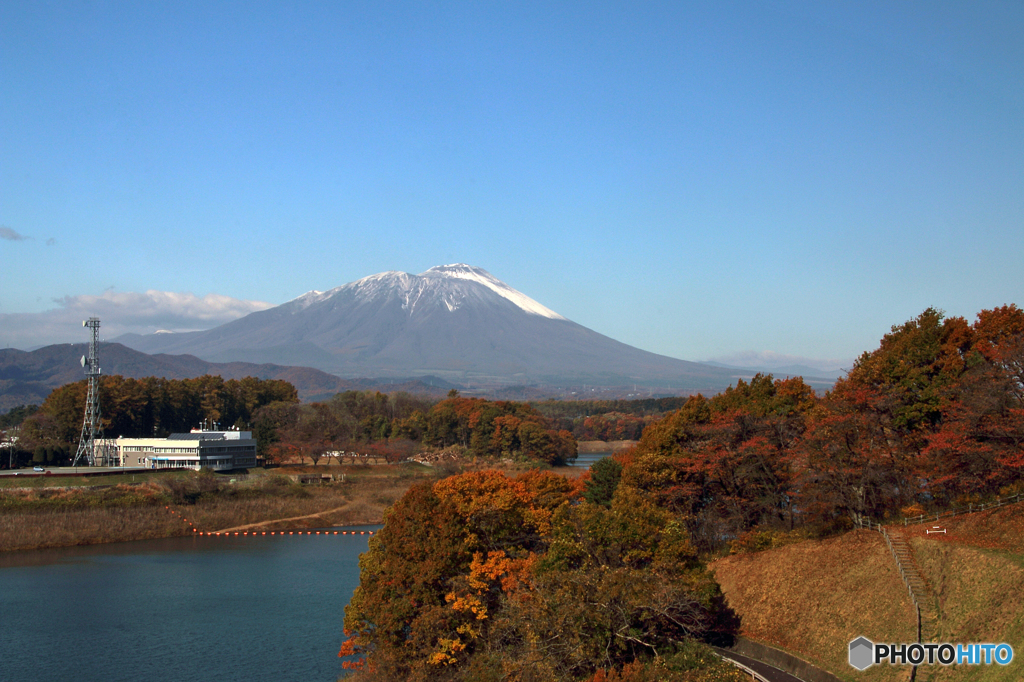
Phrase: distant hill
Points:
(787, 371)
(819, 380)
(457, 322)
(27, 377)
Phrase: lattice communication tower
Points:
(87, 443)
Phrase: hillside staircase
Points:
(920, 591)
(926, 605)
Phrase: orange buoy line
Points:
(176, 513)
(290, 532)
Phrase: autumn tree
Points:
(725, 463)
(423, 582)
(480, 576)
(616, 585)
(977, 446)
(603, 481)
(497, 429)
(931, 416)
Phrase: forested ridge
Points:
(486, 576)
(399, 425)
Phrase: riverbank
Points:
(66, 516)
(65, 511)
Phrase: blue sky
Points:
(696, 179)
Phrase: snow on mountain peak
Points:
(481, 276)
(307, 299)
(411, 288)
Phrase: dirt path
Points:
(293, 518)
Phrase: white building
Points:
(217, 450)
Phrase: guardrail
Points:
(921, 518)
(969, 509)
(754, 675)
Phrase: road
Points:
(770, 673)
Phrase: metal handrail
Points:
(969, 509)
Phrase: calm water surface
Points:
(585, 459)
(209, 608)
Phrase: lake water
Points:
(222, 608)
(585, 459)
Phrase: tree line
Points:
(400, 423)
(607, 420)
(16, 415)
(933, 417)
(389, 426)
(149, 407)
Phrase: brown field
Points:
(86, 511)
(19, 482)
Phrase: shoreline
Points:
(84, 517)
(68, 516)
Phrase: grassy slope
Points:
(809, 599)
(812, 598)
(976, 571)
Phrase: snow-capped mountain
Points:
(456, 321)
(440, 285)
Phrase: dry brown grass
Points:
(812, 598)
(976, 570)
(981, 599)
(67, 519)
(86, 527)
(1000, 529)
(586, 446)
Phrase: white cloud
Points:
(121, 313)
(771, 360)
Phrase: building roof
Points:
(196, 436)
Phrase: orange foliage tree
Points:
(481, 574)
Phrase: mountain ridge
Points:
(27, 377)
(455, 321)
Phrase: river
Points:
(197, 608)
